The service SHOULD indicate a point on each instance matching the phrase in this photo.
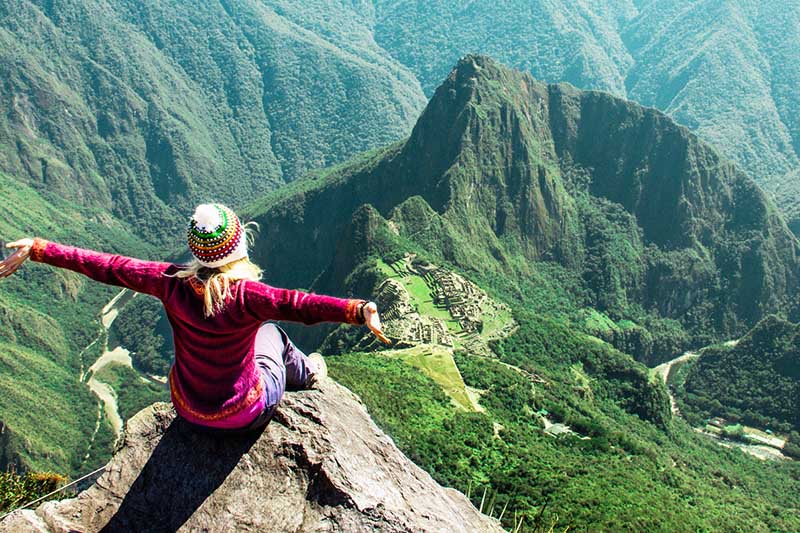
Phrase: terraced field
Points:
(425, 297)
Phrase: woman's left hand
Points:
(373, 321)
(12, 263)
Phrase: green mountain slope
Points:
(724, 69)
(150, 108)
(757, 381)
(146, 109)
(48, 325)
(502, 172)
(618, 473)
(586, 216)
(544, 234)
(119, 117)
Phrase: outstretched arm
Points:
(271, 303)
(135, 274)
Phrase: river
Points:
(666, 371)
(104, 392)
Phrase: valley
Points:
(758, 443)
(117, 355)
(534, 248)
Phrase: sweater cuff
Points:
(351, 314)
(37, 250)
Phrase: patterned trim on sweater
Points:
(198, 286)
(251, 397)
(351, 314)
(37, 250)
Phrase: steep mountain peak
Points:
(320, 465)
(514, 172)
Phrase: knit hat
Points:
(216, 235)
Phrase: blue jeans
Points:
(282, 366)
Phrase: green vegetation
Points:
(602, 242)
(48, 333)
(143, 110)
(143, 328)
(437, 363)
(133, 394)
(727, 71)
(681, 251)
(634, 475)
(757, 381)
(18, 489)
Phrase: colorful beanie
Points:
(216, 235)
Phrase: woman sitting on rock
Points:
(231, 366)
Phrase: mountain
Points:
(786, 193)
(320, 463)
(143, 110)
(49, 333)
(119, 117)
(724, 69)
(646, 223)
(524, 243)
(756, 381)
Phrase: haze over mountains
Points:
(232, 99)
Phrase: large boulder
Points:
(321, 465)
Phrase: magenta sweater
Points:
(214, 376)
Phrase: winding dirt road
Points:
(666, 370)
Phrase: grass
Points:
(437, 363)
(50, 417)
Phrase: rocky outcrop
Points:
(320, 465)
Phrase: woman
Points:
(231, 366)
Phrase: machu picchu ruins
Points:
(446, 309)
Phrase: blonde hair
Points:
(217, 282)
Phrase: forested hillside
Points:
(150, 107)
(144, 109)
(604, 228)
(725, 69)
(118, 117)
(756, 382)
(647, 224)
(48, 331)
(599, 236)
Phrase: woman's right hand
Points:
(10, 265)
(373, 321)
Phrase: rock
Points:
(320, 465)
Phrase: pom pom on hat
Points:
(216, 235)
(207, 217)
